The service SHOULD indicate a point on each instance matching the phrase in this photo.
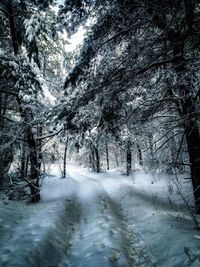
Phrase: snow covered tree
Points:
(156, 48)
(21, 78)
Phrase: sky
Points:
(60, 2)
(75, 39)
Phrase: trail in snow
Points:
(104, 237)
(161, 225)
(104, 220)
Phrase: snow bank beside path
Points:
(38, 234)
(55, 188)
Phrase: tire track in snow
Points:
(90, 230)
(104, 237)
(32, 246)
(130, 244)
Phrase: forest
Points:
(99, 124)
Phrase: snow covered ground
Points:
(100, 220)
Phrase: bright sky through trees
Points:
(75, 39)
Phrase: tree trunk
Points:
(39, 145)
(116, 157)
(1, 145)
(23, 161)
(92, 157)
(139, 155)
(107, 157)
(150, 139)
(193, 145)
(128, 158)
(33, 182)
(187, 110)
(6, 149)
(13, 33)
(121, 151)
(97, 159)
(1, 173)
(26, 166)
(64, 160)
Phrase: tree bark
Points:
(6, 153)
(39, 145)
(116, 157)
(187, 110)
(27, 117)
(97, 158)
(34, 180)
(193, 145)
(13, 32)
(107, 157)
(64, 160)
(139, 155)
(92, 157)
(23, 161)
(128, 158)
(150, 139)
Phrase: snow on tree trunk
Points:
(33, 181)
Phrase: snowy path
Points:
(104, 220)
(104, 237)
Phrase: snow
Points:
(55, 189)
(75, 40)
(48, 96)
(32, 27)
(157, 216)
(105, 219)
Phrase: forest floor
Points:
(100, 220)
